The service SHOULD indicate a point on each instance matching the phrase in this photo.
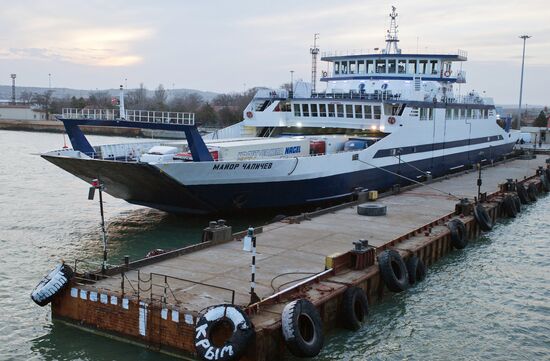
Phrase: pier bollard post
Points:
(96, 184)
(253, 296)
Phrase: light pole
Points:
(49, 80)
(524, 37)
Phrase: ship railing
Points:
(377, 95)
(100, 114)
(142, 116)
(271, 93)
(149, 116)
(462, 54)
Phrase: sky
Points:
(227, 46)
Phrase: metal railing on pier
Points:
(143, 285)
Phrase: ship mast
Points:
(391, 36)
(314, 50)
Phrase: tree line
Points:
(222, 110)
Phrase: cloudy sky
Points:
(228, 45)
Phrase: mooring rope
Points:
(409, 179)
(410, 165)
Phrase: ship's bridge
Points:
(428, 67)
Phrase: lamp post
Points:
(524, 37)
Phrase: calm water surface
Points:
(489, 301)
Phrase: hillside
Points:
(5, 92)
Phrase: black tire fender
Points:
(522, 194)
(517, 202)
(509, 206)
(355, 308)
(416, 269)
(302, 328)
(482, 218)
(544, 182)
(52, 284)
(532, 192)
(393, 270)
(234, 347)
(459, 238)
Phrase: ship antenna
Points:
(314, 50)
(391, 36)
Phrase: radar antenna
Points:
(314, 50)
(391, 36)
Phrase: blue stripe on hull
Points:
(284, 194)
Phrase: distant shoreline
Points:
(54, 126)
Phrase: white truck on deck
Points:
(261, 149)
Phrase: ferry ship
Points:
(385, 118)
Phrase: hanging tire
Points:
(213, 320)
(355, 308)
(545, 183)
(482, 218)
(532, 192)
(416, 269)
(522, 194)
(517, 202)
(393, 270)
(509, 206)
(459, 238)
(302, 328)
(52, 284)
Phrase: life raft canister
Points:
(249, 114)
(235, 346)
(52, 284)
(391, 120)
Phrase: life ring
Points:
(393, 270)
(355, 308)
(482, 218)
(532, 192)
(302, 328)
(52, 284)
(416, 270)
(235, 346)
(391, 120)
(509, 206)
(324, 74)
(447, 73)
(249, 114)
(459, 240)
(522, 194)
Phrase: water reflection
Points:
(62, 342)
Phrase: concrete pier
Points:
(156, 302)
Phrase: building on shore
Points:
(537, 134)
(21, 112)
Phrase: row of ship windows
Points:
(358, 111)
(452, 113)
(390, 66)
